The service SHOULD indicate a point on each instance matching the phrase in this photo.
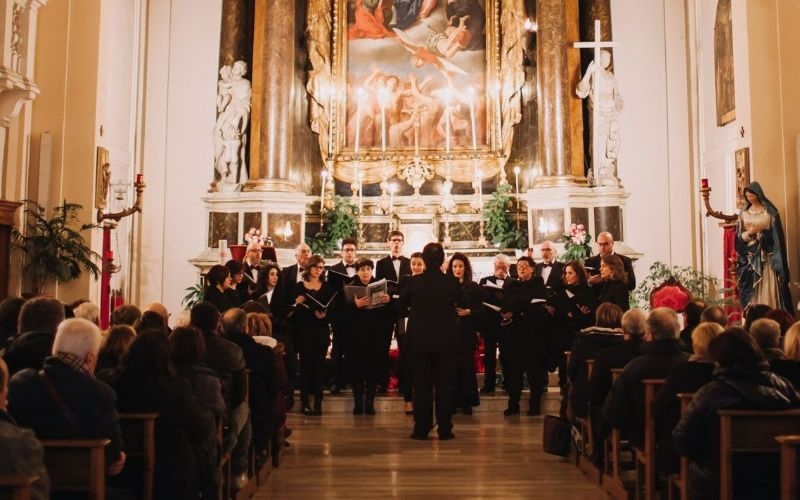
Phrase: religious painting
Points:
(742, 175)
(413, 79)
(103, 177)
(723, 64)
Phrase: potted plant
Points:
(341, 222)
(702, 286)
(577, 243)
(500, 224)
(55, 249)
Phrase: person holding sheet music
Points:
(312, 298)
(605, 242)
(365, 343)
(238, 293)
(524, 319)
(613, 284)
(493, 290)
(393, 268)
(467, 384)
(549, 269)
(340, 274)
(218, 282)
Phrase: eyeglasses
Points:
(395, 240)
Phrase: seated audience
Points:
(754, 312)
(117, 340)
(741, 380)
(151, 320)
(38, 320)
(767, 334)
(88, 311)
(784, 319)
(606, 332)
(789, 366)
(126, 314)
(22, 452)
(64, 400)
(9, 318)
(624, 407)
(686, 377)
(691, 318)
(147, 384)
(715, 314)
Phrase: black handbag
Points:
(556, 435)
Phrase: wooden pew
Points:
(677, 482)
(139, 437)
(790, 447)
(584, 458)
(77, 465)
(750, 431)
(18, 486)
(612, 481)
(645, 457)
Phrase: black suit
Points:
(341, 325)
(490, 332)
(289, 279)
(432, 298)
(594, 263)
(554, 280)
(384, 269)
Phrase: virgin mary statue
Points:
(761, 253)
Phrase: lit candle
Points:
(704, 183)
(472, 121)
(383, 97)
(499, 118)
(331, 102)
(479, 179)
(392, 190)
(360, 192)
(359, 98)
(447, 122)
(139, 178)
(322, 191)
(516, 183)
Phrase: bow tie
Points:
(396, 258)
(351, 266)
(546, 265)
(300, 269)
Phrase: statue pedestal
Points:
(551, 210)
(281, 216)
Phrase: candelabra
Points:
(727, 220)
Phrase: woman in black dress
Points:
(311, 298)
(218, 281)
(614, 285)
(467, 383)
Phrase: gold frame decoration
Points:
(724, 83)
(103, 178)
(380, 94)
(742, 163)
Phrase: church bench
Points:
(677, 482)
(646, 455)
(790, 446)
(584, 458)
(139, 438)
(76, 465)
(744, 432)
(17, 486)
(612, 480)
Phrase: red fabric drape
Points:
(729, 268)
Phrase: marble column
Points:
(556, 70)
(273, 79)
(236, 35)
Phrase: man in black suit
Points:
(490, 325)
(339, 275)
(291, 275)
(393, 268)
(431, 298)
(550, 270)
(605, 241)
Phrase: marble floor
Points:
(342, 456)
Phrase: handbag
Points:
(556, 435)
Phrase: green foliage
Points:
(576, 244)
(500, 224)
(340, 222)
(55, 249)
(194, 295)
(702, 286)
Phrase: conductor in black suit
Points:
(392, 268)
(431, 298)
(550, 270)
(605, 241)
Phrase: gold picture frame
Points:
(742, 163)
(103, 178)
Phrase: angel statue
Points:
(230, 142)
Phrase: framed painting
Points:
(412, 79)
(723, 64)
(742, 161)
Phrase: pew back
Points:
(139, 436)
(76, 465)
(790, 447)
(17, 487)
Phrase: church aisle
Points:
(341, 456)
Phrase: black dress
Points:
(467, 382)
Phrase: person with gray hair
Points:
(624, 406)
(767, 334)
(714, 314)
(64, 400)
(89, 311)
(489, 323)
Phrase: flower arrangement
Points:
(577, 243)
(254, 236)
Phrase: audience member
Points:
(63, 400)
(784, 319)
(126, 314)
(9, 319)
(715, 314)
(741, 380)
(754, 312)
(22, 452)
(789, 366)
(624, 407)
(151, 320)
(38, 320)
(767, 334)
(691, 318)
(159, 309)
(88, 311)
(117, 340)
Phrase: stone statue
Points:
(599, 83)
(230, 143)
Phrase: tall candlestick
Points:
(447, 123)
(472, 121)
(322, 191)
(359, 98)
(360, 192)
(331, 100)
(392, 190)
(383, 97)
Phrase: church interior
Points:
(186, 128)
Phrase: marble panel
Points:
(609, 219)
(285, 230)
(223, 226)
(252, 219)
(548, 224)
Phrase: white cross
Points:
(596, 44)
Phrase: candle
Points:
(383, 96)
(331, 102)
(472, 121)
(392, 190)
(322, 191)
(359, 96)
(447, 123)
(704, 183)
(139, 178)
(360, 192)
(516, 184)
